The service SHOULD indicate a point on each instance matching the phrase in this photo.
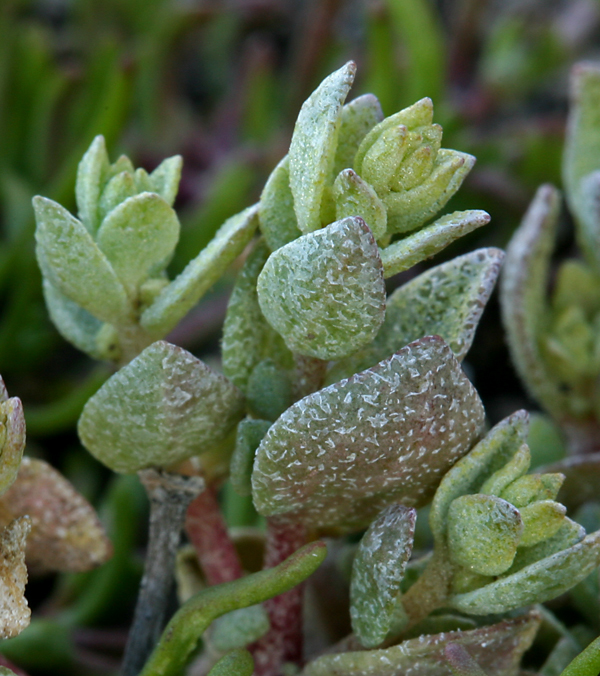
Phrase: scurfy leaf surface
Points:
(358, 118)
(324, 292)
(14, 611)
(377, 572)
(388, 434)
(276, 215)
(161, 408)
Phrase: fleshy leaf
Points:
(73, 263)
(163, 407)
(239, 628)
(117, 190)
(460, 661)
(446, 301)
(250, 433)
(235, 663)
(582, 478)
(497, 649)
(542, 519)
(587, 208)
(355, 197)
(313, 146)
(378, 570)
(180, 296)
(14, 611)
(164, 180)
(586, 663)
(12, 439)
(193, 618)
(514, 469)
(74, 323)
(91, 173)
(523, 298)
(66, 534)
(428, 241)
(408, 419)
(536, 583)
(469, 473)
(358, 118)
(324, 292)
(138, 237)
(277, 218)
(269, 391)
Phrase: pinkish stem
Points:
(283, 642)
(5, 662)
(207, 531)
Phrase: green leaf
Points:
(416, 405)
(355, 197)
(469, 473)
(117, 190)
(12, 438)
(357, 119)
(587, 663)
(269, 391)
(250, 433)
(192, 619)
(378, 570)
(239, 628)
(542, 519)
(91, 174)
(163, 407)
(324, 292)
(138, 237)
(483, 533)
(588, 222)
(582, 478)
(74, 323)
(73, 263)
(164, 180)
(428, 241)
(514, 469)
(446, 301)
(460, 661)
(541, 581)
(235, 663)
(498, 649)
(313, 145)
(277, 218)
(180, 296)
(523, 298)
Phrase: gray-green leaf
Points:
(277, 218)
(164, 180)
(91, 173)
(358, 118)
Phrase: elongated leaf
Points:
(536, 583)
(460, 661)
(430, 240)
(192, 619)
(14, 611)
(239, 628)
(180, 296)
(161, 408)
(164, 180)
(355, 197)
(12, 436)
(446, 301)
(378, 570)
(408, 419)
(313, 146)
(277, 218)
(587, 663)
(523, 298)
(497, 648)
(66, 534)
(117, 190)
(138, 237)
(73, 263)
(324, 292)
(235, 663)
(91, 173)
(358, 118)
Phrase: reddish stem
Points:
(283, 642)
(207, 531)
(5, 662)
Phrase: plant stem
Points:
(283, 642)
(207, 531)
(169, 495)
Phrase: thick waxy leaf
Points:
(497, 649)
(324, 292)
(66, 534)
(355, 197)
(247, 337)
(358, 118)
(542, 519)
(74, 323)
(410, 209)
(180, 296)
(582, 478)
(587, 208)
(586, 663)
(470, 473)
(91, 174)
(117, 190)
(277, 218)
(514, 469)
(14, 612)
(523, 298)
(239, 628)
(12, 438)
(163, 407)
(446, 301)
(430, 240)
(408, 419)
(164, 180)
(250, 433)
(138, 237)
(461, 662)
(536, 583)
(312, 150)
(193, 618)
(378, 570)
(269, 391)
(236, 663)
(73, 263)
(483, 533)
